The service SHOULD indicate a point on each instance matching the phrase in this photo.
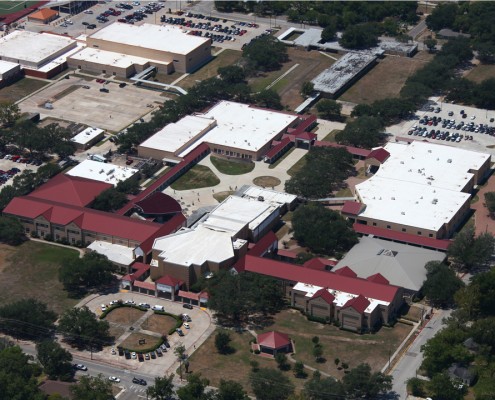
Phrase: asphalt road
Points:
(409, 364)
(414, 32)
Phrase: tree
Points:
(323, 389)
(430, 43)
(268, 98)
(222, 342)
(180, 353)
(81, 328)
(195, 389)
(468, 251)
(442, 388)
(318, 352)
(361, 383)
(483, 94)
(92, 388)
(11, 231)
(109, 200)
(9, 114)
(329, 109)
(307, 88)
(322, 230)
(416, 386)
(299, 370)
(163, 389)
(364, 132)
(27, 319)
(478, 298)
(360, 36)
(325, 171)
(18, 376)
(265, 53)
(442, 16)
(92, 271)
(55, 360)
(129, 186)
(230, 390)
(270, 384)
(482, 332)
(328, 33)
(232, 74)
(281, 360)
(441, 283)
(315, 340)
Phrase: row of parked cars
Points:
(439, 135)
(20, 159)
(457, 125)
(6, 175)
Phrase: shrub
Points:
(256, 351)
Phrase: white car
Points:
(186, 325)
(103, 307)
(473, 117)
(68, 21)
(133, 355)
(88, 11)
(113, 351)
(114, 302)
(144, 305)
(80, 367)
(130, 302)
(114, 379)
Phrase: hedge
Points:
(146, 350)
(118, 305)
(178, 324)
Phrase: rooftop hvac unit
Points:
(449, 160)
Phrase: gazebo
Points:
(273, 342)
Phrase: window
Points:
(389, 227)
(430, 235)
(419, 233)
(104, 71)
(403, 229)
(374, 223)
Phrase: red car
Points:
(129, 162)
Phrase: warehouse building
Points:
(9, 72)
(102, 172)
(124, 49)
(421, 189)
(230, 129)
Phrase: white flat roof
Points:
(340, 297)
(32, 47)
(195, 246)
(174, 136)
(149, 36)
(55, 62)
(115, 252)
(409, 203)
(87, 135)
(244, 127)
(7, 66)
(431, 164)
(236, 212)
(104, 57)
(103, 172)
(270, 196)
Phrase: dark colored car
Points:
(188, 306)
(140, 357)
(121, 351)
(127, 355)
(123, 84)
(104, 90)
(179, 331)
(139, 381)
(159, 353)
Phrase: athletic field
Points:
(9, 7)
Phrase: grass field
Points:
(348, 347)
(197, 177)
(132, 341)
(266, 181)
(124, 315)
(331, 136)
(31, 270)
(481, 72)
(20, 89)
(228, 167)
(9, 7)
(297, 166)
(225, 58)
(159, 323)
(210, 364)
(221, 196)
(386, 79)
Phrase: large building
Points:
(124, 49)
(39, 54)
(103, 172)
(230, 129)
(420, 189)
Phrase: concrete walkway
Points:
(135, 327)
(81, 251)
(483, 220)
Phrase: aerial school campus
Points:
(270, 200)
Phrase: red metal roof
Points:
(139, 270)
(159, 203)
(189, 295)
(290, 272)
(439, 244)
(278, 147)
(359, 303)
(273, 339)
(379, 154)
(346, 271)
(319, 263)
(306, 136)
(355, 151)
(325, 295)
(70, 190)
(188, 159)
(352, 207)
(378, 278)
(144, 285)
(169, 281)
(287, 253)
(258, 249)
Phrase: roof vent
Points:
(449, 160)
(434, 201)
(393, 198)
(403, 213)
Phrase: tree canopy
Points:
(92, 388)
(441, 284)
(322, 230)
(364, 132)
(163, 388)
(360, 382)
(55, 360)
(195, 389)
(265, 53)
(230, 390)
(329, 109)
(360, 36)
(270, 384)
(325, 171)
(81, 328)
(469, 251)
(92, 271)
(27, 319)
(11, 231)
(109, 200)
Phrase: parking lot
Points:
(10, 168)
(433, 123)
(80, 100)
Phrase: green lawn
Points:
(297, 166)
(232, 167)
(331, 136)
(347, 346)
(20, 89)
(31, 270)
(197, 177)
(9, 7)
(481, 72)
(221, 196)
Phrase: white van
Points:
(158, 308)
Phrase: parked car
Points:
(158, 308)
(80, 367)
(179, 331)
(140, 357)
(139, 381)
(130, 302)
(186, 325)
(144, 305)
(147, 356)
(159, 353)
(133, 355)
(188, 306)
(114, 379)
(104, 90)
